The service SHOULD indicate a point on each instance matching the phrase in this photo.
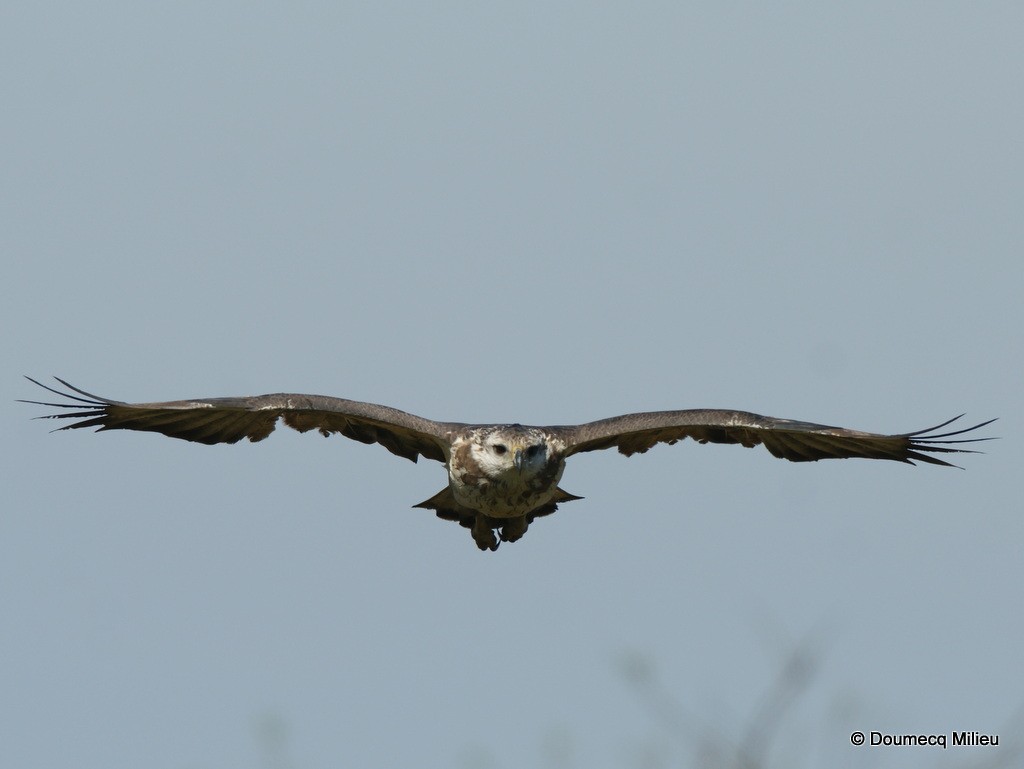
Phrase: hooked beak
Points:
(517, 459)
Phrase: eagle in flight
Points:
(502, 476)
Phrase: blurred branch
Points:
(712, 746)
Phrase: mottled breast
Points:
(505, 470)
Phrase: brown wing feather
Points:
(229, 420)
(784, 438)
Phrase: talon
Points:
(483, 535)
(514, 529)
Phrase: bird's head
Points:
(511, 450)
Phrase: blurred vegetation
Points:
(684, 737)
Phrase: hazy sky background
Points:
(534, 212)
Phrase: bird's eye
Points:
(500, 448)
(532, 451)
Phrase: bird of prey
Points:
(500, 476)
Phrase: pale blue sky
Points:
(544, 213)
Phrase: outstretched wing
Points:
(229, 420)
(784, 438)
